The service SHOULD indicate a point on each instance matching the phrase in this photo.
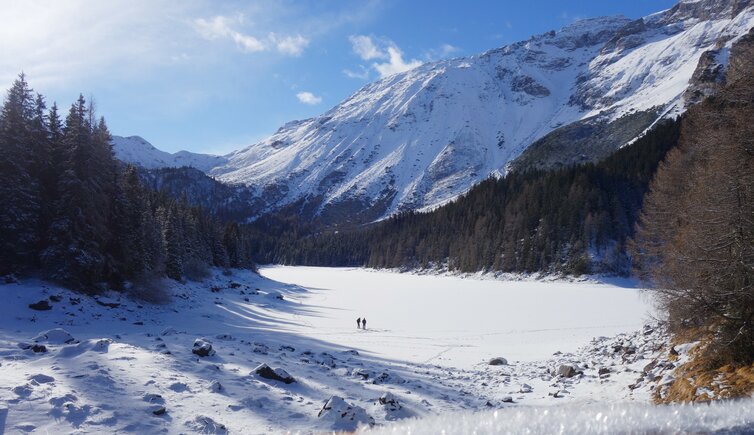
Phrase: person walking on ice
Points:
(358, 323)
(364, 323)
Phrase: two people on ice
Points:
(360, 322)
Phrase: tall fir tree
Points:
(20, 193)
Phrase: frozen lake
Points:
(457, 321)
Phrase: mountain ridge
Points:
(418, 139)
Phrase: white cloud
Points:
(308, 98)
(221, 27)
(447, 50)
(361, 74)
(290, 45)
(55, 43)
(442, 52)
(396, 64)
(63, 45)
(365, 47)
(370, 48)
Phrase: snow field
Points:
(459, 322)
(284, 357)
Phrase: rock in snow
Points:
(41, 379)
(42, 305)
(54, 336)
(216, 387)
(278, 374)
(203, 347)
(344, 416)
(107, 302)
(168, 331)
(568, 371)
(392, 407)
(499, 361)
(204, 424)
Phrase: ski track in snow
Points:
(130, 361)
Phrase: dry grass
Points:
(699, 380)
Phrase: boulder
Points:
(392, 408)
(168, 331)
(107, 302)
(388, 378)
(202, 347)
(278, 374)
(525, 388)
(158, 409)
(568, 371)
(389, 401)
(216, 387)
(42, 305)
(54, 336)
(39, 379)
(204, 424)
(499, 361)
(603, 371)
(344, 416)
(507, 399)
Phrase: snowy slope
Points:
(420, 138)
(136, 150)
(114, 365)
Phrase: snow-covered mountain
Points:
(134, 149)
(421, 138)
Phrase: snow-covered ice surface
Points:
(242, 353)
(460, 322)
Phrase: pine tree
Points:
(20, 193)
(77, 255)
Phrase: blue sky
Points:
(210, 76)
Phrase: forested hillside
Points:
(70, 210)
(573, 220)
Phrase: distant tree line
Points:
(228, 202)
(69, 209)
(572, 220)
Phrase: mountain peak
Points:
(420, 138)
(136, 150)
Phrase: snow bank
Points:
(729, 417)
